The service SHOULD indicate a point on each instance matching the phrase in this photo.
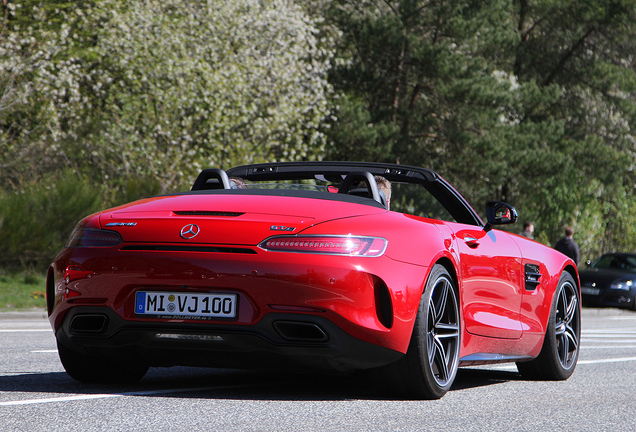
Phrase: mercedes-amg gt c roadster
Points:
(336, 266)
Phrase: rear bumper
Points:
(277, 341)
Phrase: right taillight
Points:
(328, 245)
(90, 237)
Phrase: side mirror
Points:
(500, 213)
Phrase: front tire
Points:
(560, 351)
(429, 367)
(91, 369)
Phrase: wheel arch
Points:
(450, 268)
(449, 265)
(575, 275)
(559, 350)
(414, 300)
(552, 292)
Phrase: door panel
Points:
(490, 266)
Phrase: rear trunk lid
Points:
(223, 218)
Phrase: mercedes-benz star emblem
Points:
(189, 231)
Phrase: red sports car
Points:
(336, 266)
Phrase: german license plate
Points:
(590, 291)
(180, 305)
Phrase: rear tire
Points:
(560, 351)
(91, 369)
(430, 364)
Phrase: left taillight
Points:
(328, 245)
(90, 237)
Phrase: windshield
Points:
(620, 262)
(409, 198)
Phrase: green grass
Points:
(20, 291)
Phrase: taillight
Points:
(89, 237)
(330, 245)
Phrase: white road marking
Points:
(610, 360)
(513, 367)
(45, 351)
(116, 395)
(608, 346)
(24, 330)
(610, 332)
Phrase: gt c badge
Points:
(281, 228)
(189, 231)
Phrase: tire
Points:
(430, 364)
(560, 352)
(91, 369)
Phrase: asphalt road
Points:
(36, 394)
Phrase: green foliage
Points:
(35, 224)
(133, 188)
(530, 102)
(164, 88)
(22, 290)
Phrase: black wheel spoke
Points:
(441, 360)
(564, 348)
(571, 309)
(443, 331)
(571, 336)
(566, 325)
(432, 348)
(439, 307)
(447, 330)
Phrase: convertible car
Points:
(334, 266)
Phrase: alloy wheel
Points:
(567, 329)
(443, 332)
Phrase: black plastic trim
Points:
(337, 171)
(257, 346)
(532, 276)
(207, 213)
(206, 249)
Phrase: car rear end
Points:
(230, 280)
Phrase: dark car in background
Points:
(610, 281)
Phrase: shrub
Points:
(36, 221)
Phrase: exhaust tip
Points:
(93, 323)
(300, 331)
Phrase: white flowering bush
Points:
(164, 88)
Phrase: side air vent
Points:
(207, 213)
(50, 290)
(383, 303)
(532, 276)
(205, 249)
